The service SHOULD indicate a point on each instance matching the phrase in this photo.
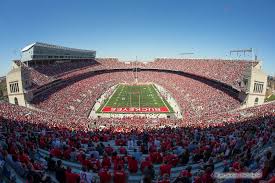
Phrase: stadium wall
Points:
(256, 86)
(42, 51)
(15, 86)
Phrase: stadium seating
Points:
(55, 141)
(30, 140)
(226, 71)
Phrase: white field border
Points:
(160, 97)
(110, 98)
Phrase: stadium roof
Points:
(28, 47)
(53, 46)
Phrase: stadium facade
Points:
(255, 82)
(21, 90)
(18, 79)
(46, 52)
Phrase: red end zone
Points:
(135, 109)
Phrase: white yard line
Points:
(139, 100)
(110, 98)
(160, 97)
(130, 99)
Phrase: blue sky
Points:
(143, 28)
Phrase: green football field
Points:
(135, 99)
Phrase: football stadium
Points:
(108, 110)
(75, 117)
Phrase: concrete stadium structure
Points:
(45, 52)
(18, 81)
(21, 90)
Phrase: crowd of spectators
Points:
(227, 71)
(195, 98)
(211, 138)
(110, 154)
(79, 97)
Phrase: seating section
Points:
(195, 98)
(35, 78)
(78, 97)
(226, 71)
(56, 142)
(33, 143)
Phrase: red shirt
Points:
(206, 178)
(122, 150)
(42, 142)
(67, 153)
(272, 180)
(71, 177)
(145, 164)
(117, 163)
(85, 163)
(24, 158)
(119, 176)
(156, 157)
(56, 152)
(133, 165)
(165, 168)
(197, 180)
(106, 162)
(185, 173)
(104, 176)
(95, 163)
(108, 150)
(164, 181)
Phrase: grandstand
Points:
(168, 120)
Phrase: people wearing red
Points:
(120, 176)
(106, 162)
(156, 157)
(109, 150)
(122, 150)
(56, 152)
(207, 178)
(71, 177)
(104, 176)
(187, 172)
(165, 169)
(272, 180)
(145, 163)
(24, 158)
(133, 165)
